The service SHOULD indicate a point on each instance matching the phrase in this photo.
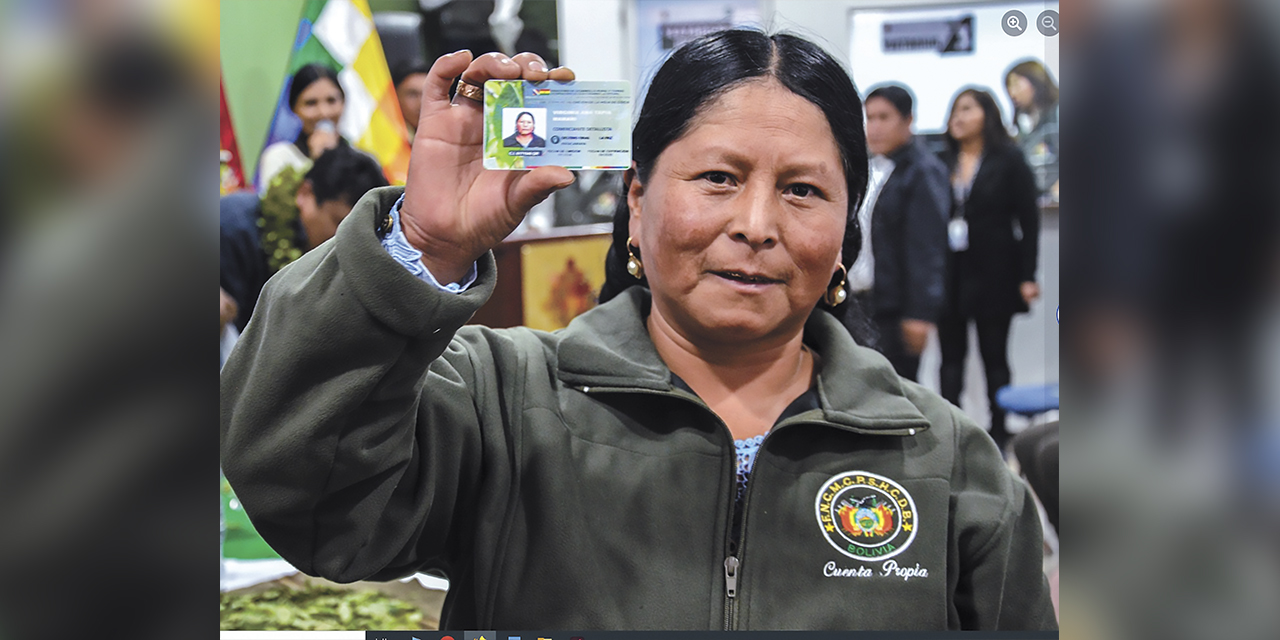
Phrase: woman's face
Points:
(1021, 91)
(740, 233)
(321, 100)
(966, 119)
(524, 124)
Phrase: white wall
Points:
(599, 42)
(595, 40)
(934, 78)
(827, 21)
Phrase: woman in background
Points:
(316, 97)
(994, 236)
(1035, 116)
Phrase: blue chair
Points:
(1028, 400)
(1036, 448)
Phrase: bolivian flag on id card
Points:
(575, 125)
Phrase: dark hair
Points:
(406, 68)
(344, 174)
(1046, 89)
(704, 69)
(133, 76)
(307, 76)
(994, 135)
(897, 95)
(526, 113)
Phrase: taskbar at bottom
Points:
(710, 635)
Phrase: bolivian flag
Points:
(230, 172)
(340, 34)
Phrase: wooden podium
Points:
(546, 278)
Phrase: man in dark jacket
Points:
(246, 228)
(900, 279)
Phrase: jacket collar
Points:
(904, 154)
(609, 347)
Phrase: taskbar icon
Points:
(429, 635)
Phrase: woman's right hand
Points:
(455, 210)
(322, 140)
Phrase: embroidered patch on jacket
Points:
(866, 516)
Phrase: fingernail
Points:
(459, 51)
(508, 61)
(537, 66)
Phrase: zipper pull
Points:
(731, 576)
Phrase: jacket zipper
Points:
(731, 561)
(730, 589)
(736, 548)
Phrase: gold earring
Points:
(837, 294)
(634, 266)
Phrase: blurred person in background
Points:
(227, 310)
(101, 409)
(257, 236)
(994, 236)
(317, 98)
(1173, 281)
(407, 77)
(227, 331)
(900, 269)
(75, 138)
(591, 199)
(1035, 117)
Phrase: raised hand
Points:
(1030, 291)
(454, 209)
(322, 140)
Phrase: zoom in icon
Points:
(1014, 22)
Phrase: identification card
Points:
(575, 125)
(958, 234)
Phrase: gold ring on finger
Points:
(468, 90)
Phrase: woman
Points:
(316, 97)
(589, 478)
(992, 265)
(523, 137)
(1035, 115)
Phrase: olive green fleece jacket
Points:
(561, 481)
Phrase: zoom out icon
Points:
(1014, 22)
(1047, 23)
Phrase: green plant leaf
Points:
(316, 608)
